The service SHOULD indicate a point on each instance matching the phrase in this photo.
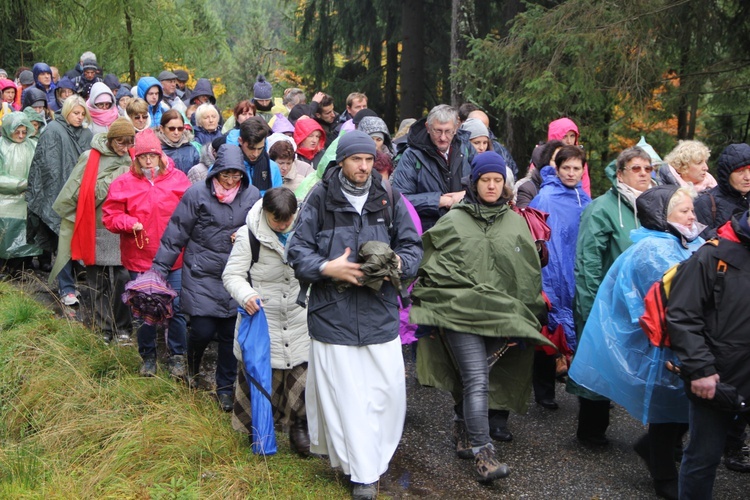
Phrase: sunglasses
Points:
(140, 117)
(103, 105)
(637, 168)
(178, 129)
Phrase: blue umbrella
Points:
(256, 356)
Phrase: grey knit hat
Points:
(262, 89)
(352, 143)
(475, 128)
(26, 77)
(371, 124)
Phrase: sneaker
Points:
(148, 367)
(70, 299)
(461, 440)
(123, 339)
(364, 491)
(177, 366)
(488, 466)
(738, 460)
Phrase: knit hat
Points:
(362, 113)
(262, 89)
(103, 97)
(89, 64)
(146, 142)
(122, 127)
(181, 75)
(111, 80)
(372, 125)
(355, 142)
(65, 83)
(166, 75)
(475, 128)
(123, 91)
(26, 77)
(485, 163)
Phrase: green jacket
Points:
(111, 166)
(480, 274)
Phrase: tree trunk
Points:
(391, 75)
(412, 59)
(131, 49)
(462, 14)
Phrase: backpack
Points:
(653, 321)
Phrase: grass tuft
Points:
(77, 421)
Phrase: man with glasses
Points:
(603, 235)
(430, 170)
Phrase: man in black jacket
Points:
(708, 322)
(356, 394)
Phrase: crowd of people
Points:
(354, 241)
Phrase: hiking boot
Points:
(148, 367)
(488, 466)
(177, 366)
(299, 438)
(461, 440)
(364, 491)
(226, 401)
(738, 460)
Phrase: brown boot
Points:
(488, 467)
(299, 438)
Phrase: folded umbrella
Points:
(150, 298)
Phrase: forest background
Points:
(665, 69)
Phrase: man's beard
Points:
(263, 108)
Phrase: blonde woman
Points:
(686, 165)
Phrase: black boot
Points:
(299, 438)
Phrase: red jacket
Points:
(133, 198)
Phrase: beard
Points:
(263, 108)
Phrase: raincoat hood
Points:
(203, 88)
(229, 157)
(39, 68)
(304, 128)
(12, 121)
(652, 207)
(733, 157)
(146, 83)
(558, 128)
(7, 84)
(32, 95)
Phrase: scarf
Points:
(707, 183)
(223, 194)
(260, 172)
(83, 244)
(349, 187)
(103, 117)
(185, 138)
(689, 232)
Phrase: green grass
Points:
(76, 421)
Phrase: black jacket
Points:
(717, 205)
(327, 224)
(710, 338)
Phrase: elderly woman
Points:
(176, 141)
(16, 153)
(204, 225)
(615, 358)
(102, 107)
(686, 166)
(293, 171)
(58, 149)
(138, 207)
(137, 111)
(207, 124)
(82, 232)
(563, 198)
(274, 288)
(480, 262)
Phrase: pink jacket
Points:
(556, 130)
(133, 198)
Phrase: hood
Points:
(733, 157)
(122, 92)
(111, 81)
(13, 120)
(229, 157)
(652, 207)
(41, 67)
(282, 125)
(203, 87)
(7, 84)
(418, 136)
(32, 95)
(99, 142)
(303, 128)
(146, 83)
(98, 89)
(65, 83)
(558, 128)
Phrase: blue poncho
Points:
(564, 206)
(615, 358)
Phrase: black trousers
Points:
(543, 379)
(593, 417)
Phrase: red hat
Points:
(147, 142)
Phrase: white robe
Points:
(356, 405)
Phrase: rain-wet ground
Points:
(544, 457)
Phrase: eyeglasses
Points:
(149, 156)
(637, 168)
(103, 105)
(225, 176)
(140, 117)
(440, 133)
(178, 129)
(125, 141)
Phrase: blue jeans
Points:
(177, 324)
(202, 329)
(470, 352)
(66, 282)
(708, 433)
